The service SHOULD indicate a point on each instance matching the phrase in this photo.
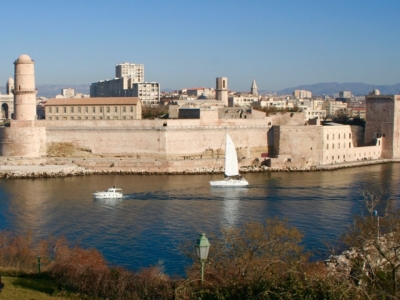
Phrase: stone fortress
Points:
(281, 141)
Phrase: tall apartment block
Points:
(129, 82)
(134, 71)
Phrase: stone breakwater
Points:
(43, 170)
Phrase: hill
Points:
(330, 88)
(51, 90)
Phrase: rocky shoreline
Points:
(53, 171)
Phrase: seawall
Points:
(62, 167)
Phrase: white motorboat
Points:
(110, 193)
(232, 176)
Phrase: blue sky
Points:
(190, 43)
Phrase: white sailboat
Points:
(232, 176)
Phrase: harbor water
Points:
(159, 213)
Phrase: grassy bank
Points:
(14, 288)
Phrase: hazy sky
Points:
(188, 43)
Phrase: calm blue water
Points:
(159, 213)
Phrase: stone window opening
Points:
(86, 109)
(72, 109)
(56, 110)
(50, 109)
(338, 145)
(124, 109)
(327, 146)
(350, 145)
(79, 110)
(338, 136)
(333, 136)
(108, 109)
(93, 109)
(101, 109)
(65, 110)
(327, 136)
(115, 109)
(349, 135)
(333, 146)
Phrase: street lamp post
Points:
(202, 247)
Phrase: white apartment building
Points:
(310, 113)
(134, 71)
(310, 103)
(332, 107)
(147, 92)
(68, 93)
(345, 94)
(242, 100)
(302, 94)
(280, 104)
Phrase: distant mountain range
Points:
(51, 90)
(328, 88)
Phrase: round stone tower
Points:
(24, 89)
(24, 137)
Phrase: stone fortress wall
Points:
(147, 139)
(176, 145)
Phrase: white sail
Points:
(231, 161)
